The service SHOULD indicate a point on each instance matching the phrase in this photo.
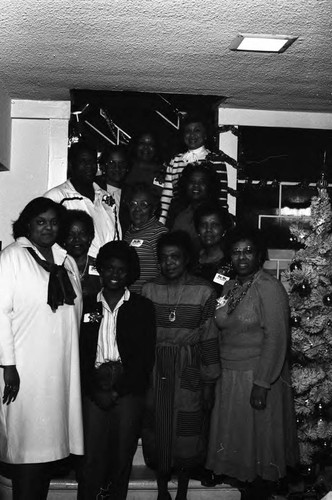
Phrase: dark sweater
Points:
(135, 336)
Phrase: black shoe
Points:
(164, 496)
(210, 480)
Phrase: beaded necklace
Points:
(233, 300)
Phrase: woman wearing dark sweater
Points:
(117, 356)
(212, 222)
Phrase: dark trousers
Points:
(31, 481)
(110, 441)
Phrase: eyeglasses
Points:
(143, 205)
(247, 252)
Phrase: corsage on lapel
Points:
(92, 317)
(108, 199)
(93, 312)
(222, 301)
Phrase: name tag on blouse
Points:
(220, 279)
(86, 318)
(136, 243)
(92, 270)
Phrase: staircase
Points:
(142, 486)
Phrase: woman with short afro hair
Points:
(117, 356)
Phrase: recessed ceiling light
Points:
(262, 43)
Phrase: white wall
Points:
(5, 128)
(39, 135)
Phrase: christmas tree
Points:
(310, 294)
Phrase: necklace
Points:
(234, 298)
(172, 312)
(84, 270)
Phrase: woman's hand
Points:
(258, 397)
(12, 384)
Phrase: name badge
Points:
(157, 183)
(136, 243)
(86, 318)
(92, 270)
(221, 279)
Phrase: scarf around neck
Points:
(60, 289)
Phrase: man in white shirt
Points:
(80, 192)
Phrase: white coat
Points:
(45, 422)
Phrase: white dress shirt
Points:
(107, 347)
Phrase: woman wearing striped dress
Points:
(144, 231)
(195, 137)
(186, 367)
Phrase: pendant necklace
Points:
(172, 312)
(84, 270)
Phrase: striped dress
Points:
(186, 358)
(175, 168)
(144, 240)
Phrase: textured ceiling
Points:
(177, 46)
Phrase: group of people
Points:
(130, 306)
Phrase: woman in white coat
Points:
(40, 308)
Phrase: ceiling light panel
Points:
(261, 43)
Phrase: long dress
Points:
(244, 442)
(186, 358)
(45, 422)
